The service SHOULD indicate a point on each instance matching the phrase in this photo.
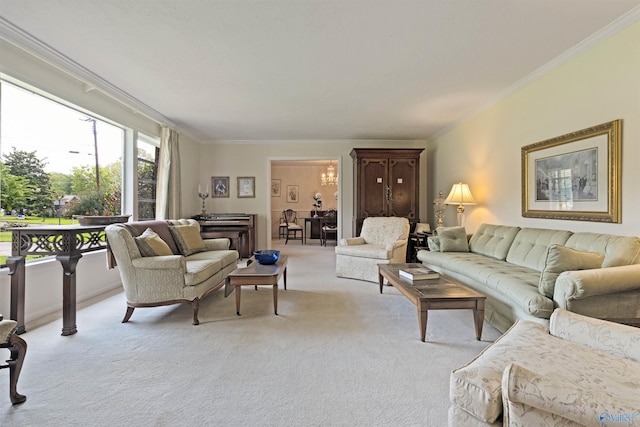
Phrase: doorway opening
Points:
(296, 183)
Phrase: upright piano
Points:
(239, 227)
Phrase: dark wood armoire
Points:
(386, 183)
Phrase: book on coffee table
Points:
(418, 273)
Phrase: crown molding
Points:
(91, 81)
(591, 41)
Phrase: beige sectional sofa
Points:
(528, 272)
(579, 371)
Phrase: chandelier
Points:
(330, 177)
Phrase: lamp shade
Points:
(460, 195)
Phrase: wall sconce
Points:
(460, 195)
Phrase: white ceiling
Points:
(313, 69)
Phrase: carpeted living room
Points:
(337, 353)
(501, 135)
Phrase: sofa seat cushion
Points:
(476, 387)
(200, 270)
(203, 265)
(518, 284)
(368, 250)
(225, 256)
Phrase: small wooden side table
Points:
(256, 274)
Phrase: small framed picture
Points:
(275, 188)
(246, 186)
(220, 186)
(292, 194)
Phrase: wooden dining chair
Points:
(329, 226)
(293, 228)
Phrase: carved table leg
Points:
(16, 271)
(69, 263)
(18, 349)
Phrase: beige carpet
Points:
(338, 354)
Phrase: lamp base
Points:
(460, 210)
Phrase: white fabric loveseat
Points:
(382, 240)
(167, 262)
(578, 372)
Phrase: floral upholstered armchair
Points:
(382, 240)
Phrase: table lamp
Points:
(460, 195)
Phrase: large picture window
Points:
(148, 152)
(58, 161)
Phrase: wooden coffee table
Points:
(442, 293)
(256, 274)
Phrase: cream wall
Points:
(253, 158)
(598, 86)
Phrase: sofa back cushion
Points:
(617, 250)
(385, 230)
(161, 228)
(529, 248)
(493, 240)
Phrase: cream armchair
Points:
(382, 240)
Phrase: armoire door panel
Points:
(372, 187)
(402, 178)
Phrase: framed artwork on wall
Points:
(574, 176)
(220, 185)
(292, 194)
(275, 188)
(246, 187)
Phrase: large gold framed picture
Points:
(574, 176)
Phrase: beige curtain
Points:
(168, 191)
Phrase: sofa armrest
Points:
(165, 262)
(558, 395)
(599, 281)
(613, 338)
(217, 244)
(352, 241)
